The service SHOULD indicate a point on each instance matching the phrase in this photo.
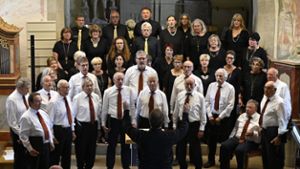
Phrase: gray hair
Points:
(222, 70)
(201, 22)
(61, 82)
(140, 52)
(254, 102)
(85, 81)
(23, 82)
(78, 54)
(146, 24)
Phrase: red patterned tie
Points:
(262, 112)
(68, 111)
(119, 104)
(44, 126)
(151, 102)
(92, 109)
(217, 98)
(141, 81)
(25, 102)
(243, 135)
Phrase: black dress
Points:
(238, 44)
(102, 82)
(177, 40)
(206, 78)
(100, 50)
(65, 53)
(217, 59)
(195, 46)
(162, 67)
(260, 53)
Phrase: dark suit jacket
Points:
(108, 32)
(156, 28)
(84, 34)
(153, 46)
(155, 145)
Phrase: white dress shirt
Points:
(274, 113)
(58, 112)
(75, 84)
(45, 98)
(160, 102)
(31, 126)
(179, 86)
(253, 127)
(226, 101)
(81, 107)
(132, 74)
(110, 102)
(197, 110)
(15, 107)
(283, 91)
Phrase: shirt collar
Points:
(81, 75)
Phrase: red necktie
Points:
(44, 126)
(24, 101)
(217, 98)
(92, 109)
(141, 81)
(68, 111)
(187, 99)
(151, 102)
(243, 135)
(119, 104)
(49, 96)
(262, 112)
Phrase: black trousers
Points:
(143, 122)
(85, 144)
(19, 151)
(62, 151)
(272, 155)
(231, 146)
(194, 148)
(42, 160)
(117, 130)
(216, 133)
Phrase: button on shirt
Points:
(58, 112)
(75, 84)
(283, 91)
(45, 97)
(31, 126)
(274, 114)
(179, 86)
(226, 101)
(197, 110)
(132, 74)
(15, 107)
(253, 126)
(81, 107)
(160, 102)
(110, 100)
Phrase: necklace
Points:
(172, 33)
(66, 52)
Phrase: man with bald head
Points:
(197, 120)
(115, 100)
(179, 83)
(273, 128)
(149, 99)
(282, 89)
(219, 102)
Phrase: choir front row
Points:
(45, 123)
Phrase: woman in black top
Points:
(64, 50)
(119, 47)
(117, 66)
(236, 38)
(96, 45)
(101, 75)
(185, 25)
(197, 42)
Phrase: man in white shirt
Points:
(114, 99)
(35, 133)
(87, 108)
(274, 128)
(282, 89)
(179, 83)
(16, 105)
(136, 76)
(46, 92)
(76, 80)
(244, 137)
(197, 120)
(149, 99)
(219, 103)
(60, 112)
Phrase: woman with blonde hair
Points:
(197, 43)
(96, 45)
(236, 37)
